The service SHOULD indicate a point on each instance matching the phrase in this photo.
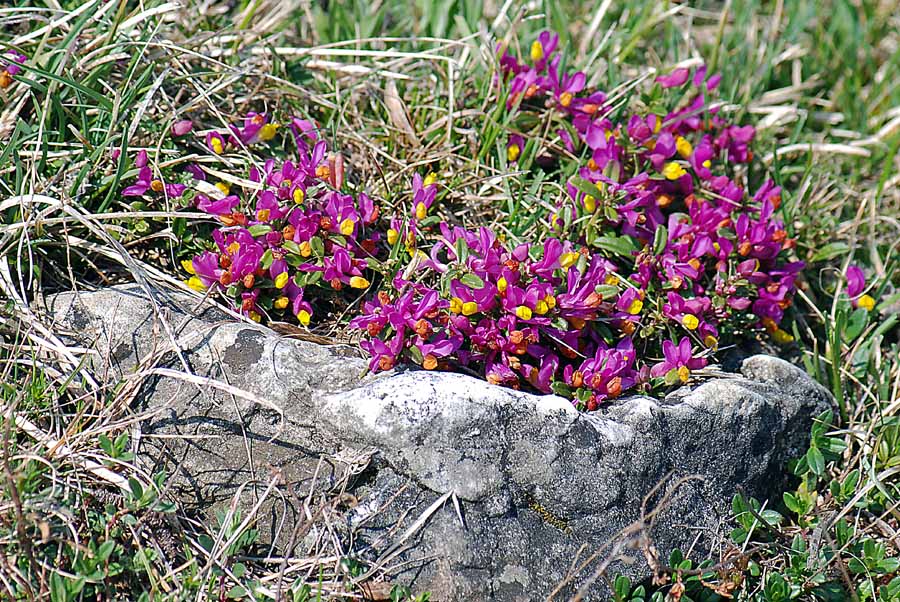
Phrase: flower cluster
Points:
(660, 252)
(658, 256)
(288, 229)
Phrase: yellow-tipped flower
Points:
(347, 227)
(502, 284)
(866, 302)
(590, 204)
(635, 307)
(303, 317)
(299, 195)
(225, 188)
(358, 282)
(469, 308)
(392, 236)
(305, 249)
(567, 260)
(523, 312)
(541, 307)
(430, 179)
(684, 374)
(267, 132)
(683, 146)
(512, 153)
(690, 321)
(281, 280)
(188, 266)
(537, 51)
(195, 283)
(421, 211)
(254, 316)
(281, 302)
(673, 171)
(456, 305)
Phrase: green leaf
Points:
(472, 281)
(259, 230)
(829, 251)
(660, 238)
(792, 503)
(136, 489)
(317, 245)
(857, 322)
(607, 291)
(816, 461)
(619, 245)
(267, 259)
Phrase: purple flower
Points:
(856, 285)
(180, 128)
(674, 79)
(223, 206)
(679, 361)
(146, 182)
(9, 66)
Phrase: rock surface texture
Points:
(469, 491)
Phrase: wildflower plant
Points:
(658, 255)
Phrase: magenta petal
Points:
(135, 190)
(180, 128)
(141, 159)
(674, 79)
(856, 281)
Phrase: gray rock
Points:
(530, 492)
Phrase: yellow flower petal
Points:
(359, 282)
(590, 204)
(683, 147)
(866, 302)
(673, 171)
(196, 284)
(567, 260)
(690, 322)
(267, 132)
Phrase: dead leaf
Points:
(397, 112)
